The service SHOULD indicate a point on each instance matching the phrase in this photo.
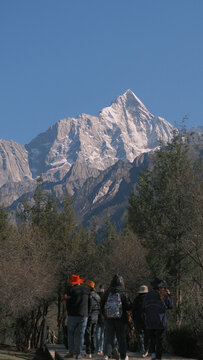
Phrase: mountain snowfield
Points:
(121, 131)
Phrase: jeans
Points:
(156, 341)
(100, 337)
(76, 331)
(119, 328)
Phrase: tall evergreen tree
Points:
(165, 213)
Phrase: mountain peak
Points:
(130, 100)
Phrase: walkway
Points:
(57, 352)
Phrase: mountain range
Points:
(96, 159)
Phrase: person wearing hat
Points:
(77, 302)
(156, 303)
(94, 310)
(138, 316)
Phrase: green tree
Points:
(165, 213)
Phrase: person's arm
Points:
(90, 303)
(134, 309)
(127, 304)
(168, 300)
(103, 301)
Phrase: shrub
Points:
(182, 341)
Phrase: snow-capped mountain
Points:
(75, 149)
(96, 159)
(121, 131)
(14, 164)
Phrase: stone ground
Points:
(58, 352)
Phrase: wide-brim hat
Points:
(90, 283)
(75, 279)
(143, 289)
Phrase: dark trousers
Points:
(143, 340)
(118, 328)
(156, 341)
(90, 336)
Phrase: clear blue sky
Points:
(60, 58)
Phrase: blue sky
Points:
(60, 58)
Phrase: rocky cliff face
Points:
(14, 164)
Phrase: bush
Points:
(182, 341)
(6, 331)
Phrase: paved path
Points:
(57, 352)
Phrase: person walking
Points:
(114, 304)
(138, 316)
(94, 310)
(156, 303)
(100, 326)
(77, 301)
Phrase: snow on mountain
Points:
(14, 164)
(122, 130)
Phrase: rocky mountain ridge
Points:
(14, 165)
(121, 131)
(95, 159)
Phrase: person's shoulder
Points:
(85, 289)
(136, 298)
(124, 294)
(152, 292)
(150, 295)
(79, 288)
(96, 295)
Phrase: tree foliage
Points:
(166, 214)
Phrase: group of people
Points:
(100, 319)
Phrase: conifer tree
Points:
(165, 213)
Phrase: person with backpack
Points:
(115, 304)
(156, 303)
(94, 310)
(138, 316)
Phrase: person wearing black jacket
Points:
(94, 310)
(77, 302)
(156, 303)
(116, 326)
(138, 316)
(100, 326)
